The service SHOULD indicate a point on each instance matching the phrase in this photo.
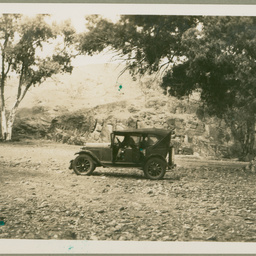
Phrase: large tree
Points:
(23, 42)
(213, 55)
(221, 63)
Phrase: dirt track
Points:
(199, 201)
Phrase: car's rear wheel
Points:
(83, 165)
(155, 168)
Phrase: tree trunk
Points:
(249, 139)
(3, 123)
(7, 124)
(10, 121)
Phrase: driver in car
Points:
(128, 142)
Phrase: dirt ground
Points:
(199, 201)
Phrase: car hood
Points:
(97, 145)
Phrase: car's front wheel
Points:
(83, 165)
(155, 168)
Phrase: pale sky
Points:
(77, 11)
(106, 9)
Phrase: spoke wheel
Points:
(83, 165)
(155, 168)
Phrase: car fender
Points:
(154, 155)
(94, 158)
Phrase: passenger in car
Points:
(146, 142)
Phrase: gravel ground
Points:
(199, 201)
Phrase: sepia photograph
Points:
(128, 123)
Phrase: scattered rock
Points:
(100, 211)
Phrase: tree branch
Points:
(25, 91)
(20, 82)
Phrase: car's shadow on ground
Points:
(119, 175)
(126, 176)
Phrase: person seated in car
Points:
(146, 142)
(128, 142)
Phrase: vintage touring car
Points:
(147, 149)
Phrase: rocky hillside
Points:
(93, 101)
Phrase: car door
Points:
(128, 153)
(136, 155)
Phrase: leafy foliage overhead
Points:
(220, 62)
(146, 42)
(213, 54)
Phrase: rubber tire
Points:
(159, 168)
(80, 162)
